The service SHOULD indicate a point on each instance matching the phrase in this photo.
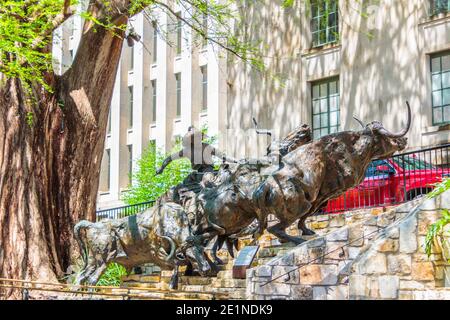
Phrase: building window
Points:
(325, 107)
(130, 163)
(179, 29)
(155, 41)
(205, 29)
(108, 168)
(178, 80)
(204, 71)
(72, 27)
(153, 101)
(71, 55)
(439, 6)
(105, 177)
(109, 122)
(130, 107)
(131, 58)
(324, 22)
(440, 79)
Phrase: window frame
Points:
(443, 88)
(441, 9)
(178, 93)
(155, 42)
(328, 111)
(204, 80)
(130, 106)
(108, 174)
(179, 27)
(154, 100)
(109, 127)
(131, 57)
(318, 26)
(130, 163)
(205, 27)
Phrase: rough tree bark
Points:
(49, 169)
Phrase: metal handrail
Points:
(69, 288)
(120, 212)
(441, 146)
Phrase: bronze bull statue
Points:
(321, 170)
(159, 235)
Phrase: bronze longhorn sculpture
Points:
(293, 181)
(160, 235)
(321, 170)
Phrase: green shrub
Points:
(146, 185)
(111, 278)
(436, 229)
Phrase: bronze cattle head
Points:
(196, 256)
(296, 138)
(385, 143)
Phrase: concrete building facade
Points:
(164, 84)
(331, 60)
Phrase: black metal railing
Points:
(396, 180)
(120, 212)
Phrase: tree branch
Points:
(198, 30)
(66, 12)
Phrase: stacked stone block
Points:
(396, 265)
(362, 256)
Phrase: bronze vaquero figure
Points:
(197, 151)
(200, 154)
(293, 181)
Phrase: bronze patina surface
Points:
(293, 181)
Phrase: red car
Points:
(389, 182)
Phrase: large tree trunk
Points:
(50, 155)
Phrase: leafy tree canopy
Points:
(26, 29)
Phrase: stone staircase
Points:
(223, 286)
(373, 248)
(377, 254)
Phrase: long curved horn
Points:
(172, 248)
(359, 121)
(401, 133)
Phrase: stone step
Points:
(272, 251)
(175, 295)
(146, 285)
(227, 266)
(137, 284)
(189, 280)
(229, 283)
(192, 287)
(142, 278)
(195, 280)
(226, 274)
(226, 288)
(233, 293)
(262, 261)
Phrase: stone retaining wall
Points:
(396, 266)
(367, 257)
(326, 223)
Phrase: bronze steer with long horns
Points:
(160, 235)
(321, 170)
